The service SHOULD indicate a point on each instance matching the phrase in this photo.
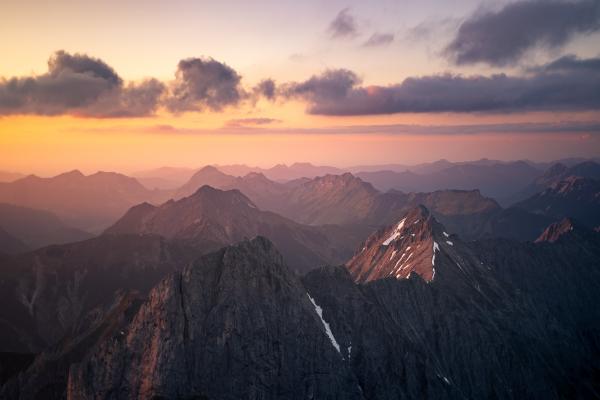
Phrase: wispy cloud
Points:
(344, 25)
(587, 129)
(239, 122)
(379, 39)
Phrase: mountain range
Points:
(211, 218)
(346, 200)
(497, 319)
(227, 287)
(36, 228)
(92, 203)
(573, 196)
(89, 202)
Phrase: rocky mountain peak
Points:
(555, 170)
(342, 182)
(569, 184)
(408, 246)
(224, 197)
(235, 322)
(556, 231)
(208, 169)
(74, 174)
(257, 178)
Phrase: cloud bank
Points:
(503, 37)
(84, 86)
(565, 84)
(80, 85)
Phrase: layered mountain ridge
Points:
(212, 218)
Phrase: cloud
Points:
(503, 37)
(132, 100)
(265, 88)
(328, 87)
(585, 129)
(566, 84)
(379, 39)
(343, 25)
(204, 83)
(77, 84)
(251, 121)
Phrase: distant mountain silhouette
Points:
(10, 244)
(498, 180)
(574, 196)
(282, 172)
(349, 201)
(6, 176)
(167, 178)
(212, 218)
(87, 202)
(37, 228)
(554, 174)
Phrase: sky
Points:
(132, 85)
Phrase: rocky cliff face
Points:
(236, 324)
(45, 292)
(556, 230)
(499, 319)
(412, 245)
(47, 376)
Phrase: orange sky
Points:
(49, 145)
(285, 40)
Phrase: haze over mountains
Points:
(322, 287)
(94, 202)
(86, 202)
(210, 219)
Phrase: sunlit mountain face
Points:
(292, 200)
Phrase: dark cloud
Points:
(570, 63)
(251, 121)
(331, 86)
(77, 84)
(266, 88)
(204, 83)
(131, 100)
(63, 62)
(379, 39)
(343, 25)
(502, 37)
(566, 84)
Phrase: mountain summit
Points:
(410, 245)
(235, 324)
(212, 218)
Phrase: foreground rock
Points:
(236, 324)
(498, 319)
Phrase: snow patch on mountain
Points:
(395, 234)
(328, 331)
